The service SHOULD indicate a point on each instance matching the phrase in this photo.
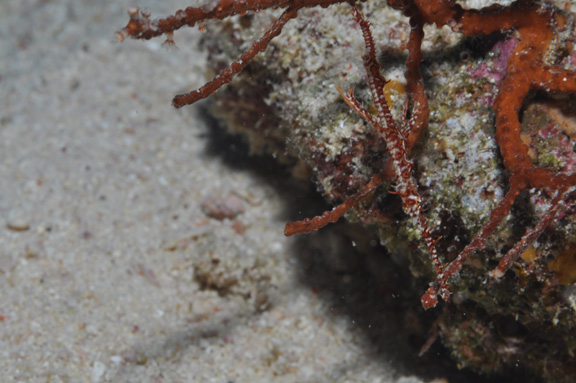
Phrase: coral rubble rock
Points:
(287, 103)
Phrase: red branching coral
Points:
(528, 68)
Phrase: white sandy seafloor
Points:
(110, 270)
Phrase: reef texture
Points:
(471, 174)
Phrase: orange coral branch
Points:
(420, 113)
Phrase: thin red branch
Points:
(308, 225)
(556, 205)
(236, 67)
(430, 298)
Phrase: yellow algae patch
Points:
(393, 90)
(565, 266)
(529, 255)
